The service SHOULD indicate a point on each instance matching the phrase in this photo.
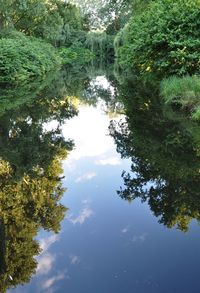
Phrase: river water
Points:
(131, 182)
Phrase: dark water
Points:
(100, 188)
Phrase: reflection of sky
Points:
(108, 245)
(91, 138)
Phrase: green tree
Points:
(110, 15)
(162, 39)
(54, 20)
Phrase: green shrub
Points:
(75, 55)
(25, 58)
(165, 39)
(67, 55)
(10, 33)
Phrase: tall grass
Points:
(184, 91)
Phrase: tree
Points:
(109, 15)
(164, 38)
(53, 20)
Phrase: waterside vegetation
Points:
(163, 39)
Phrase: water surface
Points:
(109, 241)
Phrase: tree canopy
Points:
(163, 39)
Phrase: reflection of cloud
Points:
(113, 161)
(49, 126)
(45, 243)
(104, 83)
(89, 137)
(141, 237)
(46, 260)
(70, 166)
(45, 263)
(86, 201)
(125, 230)
(50, 282)
(84, 214)
(85, 177)
(74, 259)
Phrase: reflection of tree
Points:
(164, 153)
(13, 96)
(30, 178)
(81, 83)
(27, 204)
(105, 90)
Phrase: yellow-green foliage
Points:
(165, 39)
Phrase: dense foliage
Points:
(26, 25)
(22, 59)
(164, 38)
(75, 55)
(101, 45)
(52, 20)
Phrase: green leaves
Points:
(48, 20)
(75, 55)
(22, 59)
(163, 39)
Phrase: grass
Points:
(184, 91)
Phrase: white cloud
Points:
(84, 214)
(85, 177)
(45, 263)
(140, 238)
(51, 281)
(52, 125)
(113, 161)
(74, 259)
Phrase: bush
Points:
(75, 55)
(25, 58)
(165, 38)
